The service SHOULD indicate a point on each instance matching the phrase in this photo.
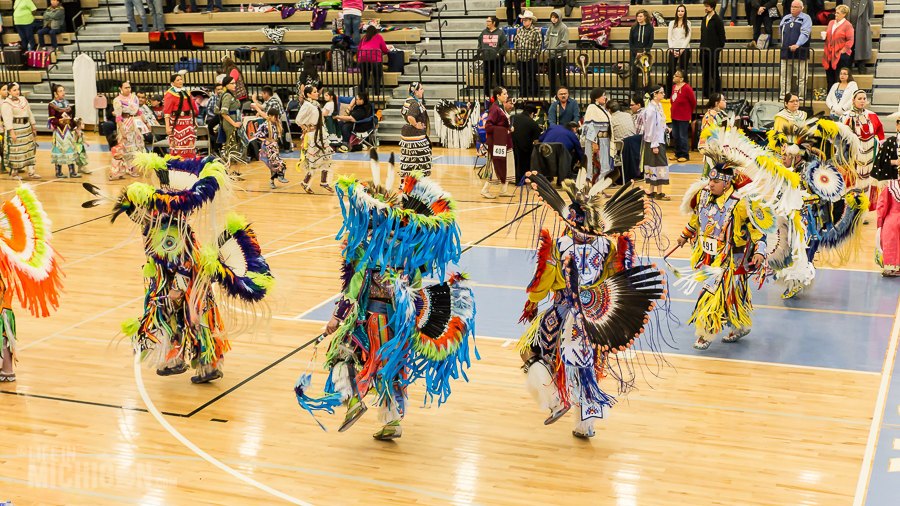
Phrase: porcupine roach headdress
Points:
(29, 265)
(820, 138)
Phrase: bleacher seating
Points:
(274, 18)
(241, 37)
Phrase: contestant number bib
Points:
(710, 245)
(499, 151)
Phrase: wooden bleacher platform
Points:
(694, 11)
(274, 18)
(290, 37)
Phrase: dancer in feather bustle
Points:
(29, 269)
(387, 330)
(182, 326)
(823, 154)
(600, 299)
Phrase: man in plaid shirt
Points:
(528, 43)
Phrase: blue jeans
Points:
(734, 4)
(155, 13)
(680, 136)
(351, 27)
(130, 7)
(26, 36)
(213, 4)
(47, 31)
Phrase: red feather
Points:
(543, 257)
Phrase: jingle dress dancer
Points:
(415, 148)
(867, 127)
(180, 110)
(888, 242)
(182, 325)
(387, 330)
(127, 109)
(29, 269)
(599, 298)
(62, 127)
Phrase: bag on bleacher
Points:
(142, 66)
(396, 61)
(243, 53)
(658, 19)
(38, 59)
(774, 14)
(763, 41)
(341, 60)
(189, 64)
(14, 58)
(318, 18)
(337, 24)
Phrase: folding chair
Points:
(365, 132)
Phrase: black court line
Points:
(83, 222)
(89, 403)
(282, 359)
(242, 383)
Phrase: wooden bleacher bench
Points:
(610, 56)
(212, 58)
(274, 18)
(694, 11)
(730, 81)
(8, 20)
(61, 39)
(32, 76)
(52, 57)
(251, 78)
(8, 4)
(257, 37)
(732, 33)
(276, 2)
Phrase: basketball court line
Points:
(887, 370)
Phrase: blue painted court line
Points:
(884, 480)
(806, 338)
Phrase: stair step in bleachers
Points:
(240, 37)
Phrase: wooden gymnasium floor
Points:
(783, 417)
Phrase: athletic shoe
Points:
(272, 184)
(283, 179)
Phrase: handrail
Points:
(465, 8)
(441, 24)
(419, 63)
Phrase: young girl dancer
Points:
(316, 155)
(268, 133)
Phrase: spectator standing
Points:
(564, 110)
(156, 15)
(683, 105)
(513, 11)
(680, 42)
(734, 5)
(813, 8)
(795, 31)
(840, 96)
(653, 154)
(557, 45)
(596, 135)
(371, 54)
(762, 11)
(211, 5)
(640, 40)
(179, 9)
(132, 7)
(352, 10)
(54, 23)
(712, 37)
(23, 19)
(839, 38)
(524, 131)
(213, 119)
(528, 43)
(492, 47)
(861, 13)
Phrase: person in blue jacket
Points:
(565, 135)
(564, 109)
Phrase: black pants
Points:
(712, 82)
(833, 75)
(682, 140)
(680, 62)
(493, 73)
(528, 81)
(376, 72)
(211, 125)
(511, 6)
(556, 67)
(760, 20)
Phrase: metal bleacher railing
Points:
(150, 71)
(749, 74)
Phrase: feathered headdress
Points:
(452, 116)
(411, 228)
(587, 213)
(827, 140)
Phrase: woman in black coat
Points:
(640, 40)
